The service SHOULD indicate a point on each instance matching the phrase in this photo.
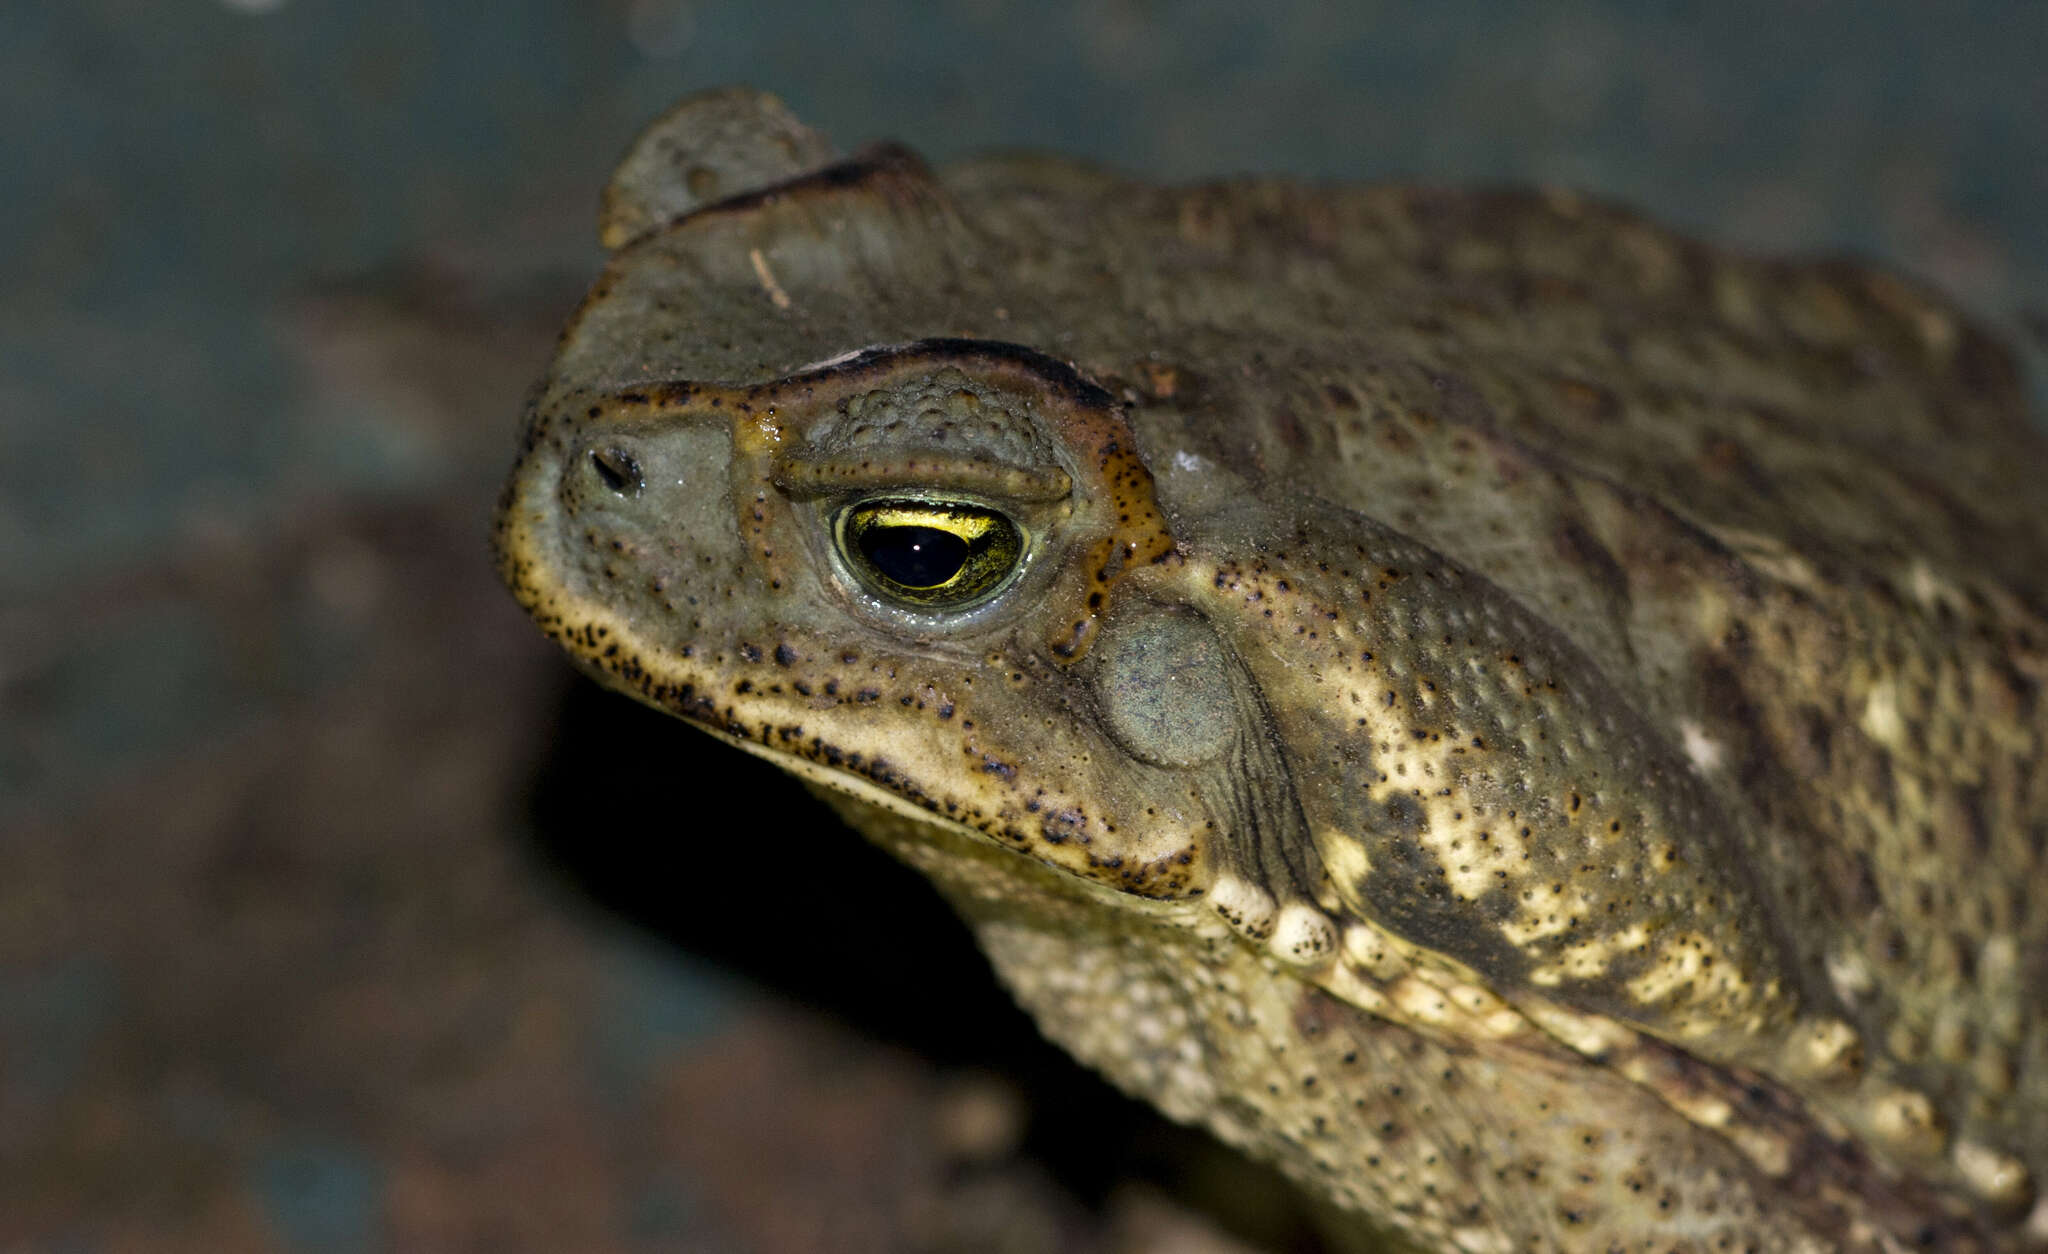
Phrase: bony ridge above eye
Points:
(927, 553)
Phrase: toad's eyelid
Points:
(802, 476)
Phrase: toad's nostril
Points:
(619, 470)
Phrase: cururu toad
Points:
(1532, 724)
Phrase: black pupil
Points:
(915, 557)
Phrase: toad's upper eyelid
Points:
(802, 476)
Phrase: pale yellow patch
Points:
(1849, 974)
(1881, 720)
(1345, 984)
(1922, 582)
(1595, 1036)
(1908, 1120)
(1995, 1176)
(1702, 750)
(1770, 556)
(1303, 936)
(1998, 961)
(1343, 857)
(1823, 1048)
(1680, 962)
(1372, 952)
(2037, 1221)
(1471, 866)
(1481, 1241)
(1547, 914)
(1463, 1010)
(1589, 959)
(1768, 1150)
(1244, 905)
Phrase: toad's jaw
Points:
(822, 776)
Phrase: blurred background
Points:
(334, 914)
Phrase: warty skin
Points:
(1529, 723)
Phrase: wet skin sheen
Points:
(1533, 725)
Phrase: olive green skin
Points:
(1530, 723)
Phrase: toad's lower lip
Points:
(747, 730)
(837, 780)
(751, 730)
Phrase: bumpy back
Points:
(1797, 513)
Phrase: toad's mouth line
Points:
(610, 649)
(1049, 825)
(837, 779)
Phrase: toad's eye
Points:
(930, 555)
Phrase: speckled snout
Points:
(625, 504)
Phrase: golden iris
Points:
(930, 554)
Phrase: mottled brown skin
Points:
(1532, 724)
